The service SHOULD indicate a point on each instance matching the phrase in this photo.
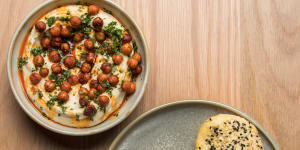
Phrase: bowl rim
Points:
(238, 112)
(82, 132)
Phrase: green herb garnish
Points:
(22, 61)
(50, 21)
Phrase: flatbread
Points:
(228, 132)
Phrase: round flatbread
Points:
(228, 132)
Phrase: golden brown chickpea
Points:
(102, 78)
(106, 67)
(137, 56)
(97, 24)
(83, 78)
(137, 70)
(103, 100)
(65, 86)
(100, 36)
(93, 84)
(128, 87)
(65, 47)
(83, 101)
(126, 49)
(49, 86)
(93, 10)
(56, 68)
(78, 37)
(54, 56)
(40, 26)
(90, 110)
(46, 42)
(109, 50)
(75, 21)
(55, 31)
(44, 72)
(90, 58)
(83, 92)
(73, 79)
(117, 59)
(38, 60)
(132, 63)
(63, 96)
(70, 62)
(126, 38)
(92, 93)
(113, 80)
(35, 78)
(88, 44)
(65, 32)
(86, 68)
(56, 42)
(100, 88)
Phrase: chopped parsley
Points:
(115, 34)
(59, 79)
(134, 46)
(50, 21)
(77, 64)
(108, 88)
(22, 61)
(51, 101)
(40, 94)
(38, 51)
(83, 55)
(85, 25)
(77, 117)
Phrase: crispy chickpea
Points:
(102, 78)
(137, 56)
(100, 36)
(83, 78)
(70, 62)
(86, 68)
(100, 88)
(126, 38)
(90, 57)
(63, 96)
(93, 84)
(56, 42)
(40, 26)
(113, 80)
(38, 60)
(132, 63)
(83, 101)
(65, 32)
(65, 86)
(92, 93)
(65, 47)
(128, 87)
(103, 100)
(137, 70)
(73, 79)
(126, 49)
(88, 44)
(78, 37)
(93, 9)
(56, 68)
(106, 67)
(44, 72)
(117, 59)
(55, 31)
(90, 110)
(35, 78)
(49, 86)
(54, 56)
(46, 42)
(75, 21)
(97, 24)
(83, 92)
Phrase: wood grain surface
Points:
(243, 53)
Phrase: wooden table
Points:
(245, 54)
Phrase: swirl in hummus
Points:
(77, 65)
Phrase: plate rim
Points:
(198, 101)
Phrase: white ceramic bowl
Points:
(15, 84)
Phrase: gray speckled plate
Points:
(175, 126)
